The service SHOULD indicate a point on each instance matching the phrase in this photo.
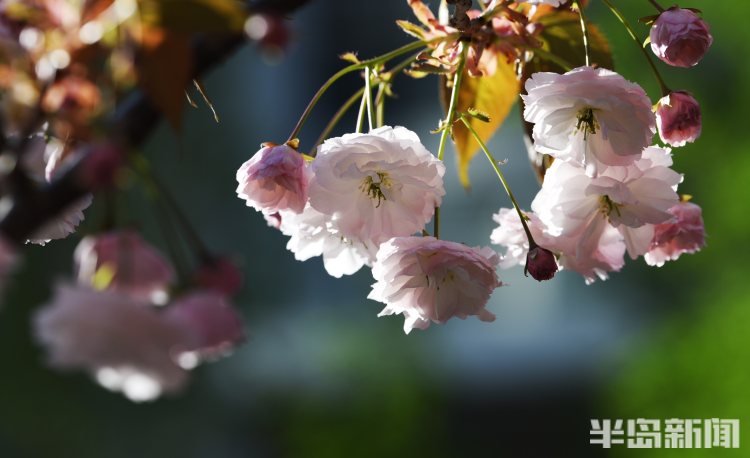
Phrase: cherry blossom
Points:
(430, 280)
(313, 233)
(126, 345)
(274, 179)
(211, 322)
(678, 117)
(376, 186)
(591, 117)
(684, 233)
(631, 199)
(595, 260)
(123, 261)
(680, 37)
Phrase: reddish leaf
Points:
(164, 71)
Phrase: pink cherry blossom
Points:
(684, 233)
(126, 345)
(429, 280)
(312, 233)
(603, 254)
(213, 325)
(678, 117)
(680, 37)
(632, 200)
(590, 117)
(274, 179)
(125, 263)
(376, 186)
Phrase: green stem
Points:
(662, 85)
(657, 6)
(449, 119)
(584, 30)
(361, 114)
(352, 68)
(337, 117)
(380, 105)
(496, 166)
(368, 97)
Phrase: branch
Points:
(132, 124)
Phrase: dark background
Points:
(321, 376)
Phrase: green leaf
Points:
(194, 15)
(411, 29)
(492, 95)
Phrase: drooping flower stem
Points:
(368, 98)
(170, 203)
(386, 78)
(449, 120)
(344, 71)
(337, 117)
(638, 43)
(496, 166)
(361, 113)
(584, 31)
(657, 6)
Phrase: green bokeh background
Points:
(321, 377)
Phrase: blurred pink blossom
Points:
(123, 261)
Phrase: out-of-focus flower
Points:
(274, 179)
(376, 186)
(213, 325)
(684, 233)
(122, 261)
(65, 223)
(429, 280)
(313, 234)
(573, 204)
(8, 262)
(680, 37)
(678, 117)
(591, 117)
(219, 275)
(126, 345)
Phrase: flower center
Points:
(587, 122)
(373, 186)
(607, 206)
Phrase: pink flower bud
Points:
(123, 261)
(680, 37)
(541, 263)
(678, 117)
(274, 179)
(219, 275)
(214, 325)
(684, 233)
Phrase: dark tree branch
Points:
(133, 122)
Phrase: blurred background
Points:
(321, 376)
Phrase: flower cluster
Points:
(118, 322)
